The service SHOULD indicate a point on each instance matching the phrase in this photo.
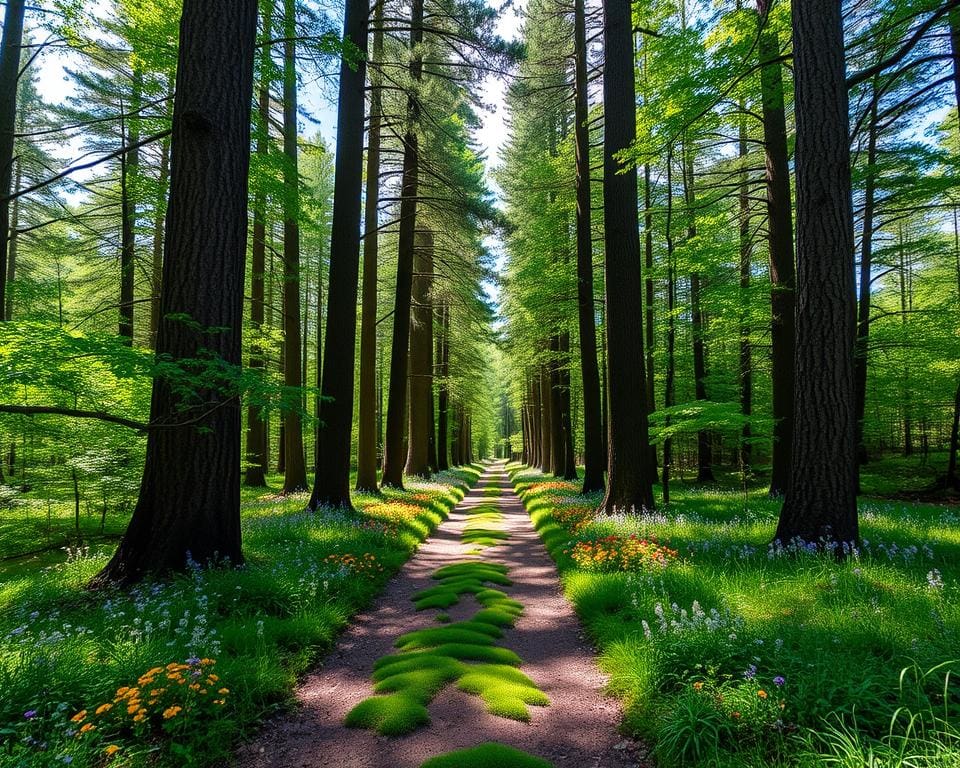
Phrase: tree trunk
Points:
(420, 423)
(649, 328)
(629, 486)
(746, 362)
(536, 421)
(443, 393)
(866, 267)
(566, 410)
(780, 239)
(10, 49)
(258, 459)
(367, 434)
(821, 499)
(586, 312)
(953, 479)
(669, 385)
(156, 265)
(129, 170)
(332, 474)
(189, 503)
(393, 460)
(704, 438)
(295, 471)
(546, 420)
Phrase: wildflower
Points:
(30, 714)
(87, 727)
(779, 680)
(103, 708)
(171, 712)
(762, 693)
(133, 707)
(934, 579)
(698, 686)
(140, 718)
(750, 672)
(735, 715)
(111, 749)
(223, 691)
(79, 717)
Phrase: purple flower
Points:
(779, 680)
(193, 661)
(751, 672)
(30, 714)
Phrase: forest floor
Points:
(577, 728)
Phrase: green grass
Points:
(490, 755)
(691, 646)
(64, 649)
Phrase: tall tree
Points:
(393, 453)
(258, 457)
(189, 502)
(420, 387)
(295, 472)
(780, 241)
(11, 45)
(331, 484)
(821, 500)
(367, 433)
(629, 486)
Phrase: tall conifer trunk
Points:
(821, 500)
(295, 471)
(780, 240)
(394, 455)
(367, 433)
(420, 422)
(189, 502)
(332, 475)
(11, 45)
(586, 312)
(629, 486)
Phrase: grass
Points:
(254, 629)
(733, 654)
(489, 755)
(432, 658)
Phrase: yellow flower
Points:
(122, 691)
(213, 678)
(762, 694)
(170, 712)
(79, 716)
(203, 691)
(87, 727)
(133, 707)
(140, 718)
(207, 662)
(103, 708)
(194, 686)
(223, 691)
(111, 749)
(698, 686)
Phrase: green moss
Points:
(489, 755)
(453, 633)
(506, 691)
(484, 537)
(443, 618)
(392, 715)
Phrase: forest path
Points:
(577, 730)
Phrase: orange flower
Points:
(111, 749)
(79, 717)
(103, 708)
(171, 712)
(697, 686)
(223, 691)
(87, 727)
(762, 694)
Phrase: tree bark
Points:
(866, 267)
(129, 170)
(11, 45)
(586, 312)
(782, 272)
(258, 458)
(669, 384)
(443, 390)
(394, 455)
(546, 420)
(420, 418)
(13, 246)
(189, 502)
(332, 474)
(746, 362)
(156, 265)
(295, 471)
(367, 434)
(629, 486)
(821, 502)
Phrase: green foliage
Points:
(740, 654)
(64, 649)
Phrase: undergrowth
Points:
(173, 673)
(728, 652)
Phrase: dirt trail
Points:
(577, 730)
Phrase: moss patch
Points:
(489, 755)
